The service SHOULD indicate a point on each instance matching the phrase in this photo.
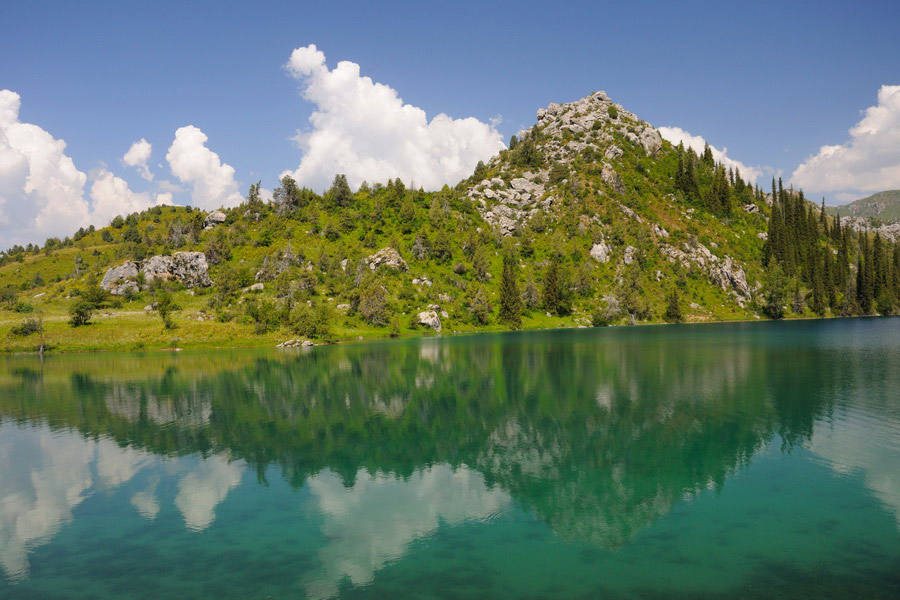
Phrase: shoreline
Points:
(423, 334)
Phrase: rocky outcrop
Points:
(429, 318)
(890, 231)
(120, 280)
(727, 274)
(612, 179)
(508, 206)
(189, 268)
(387, 257)
(216, 217)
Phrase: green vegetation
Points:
(680, 238)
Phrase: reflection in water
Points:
(203, 488)
(47, 474)
(597, 435)
(373, 521)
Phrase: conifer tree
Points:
(551, 295)
(510, 300)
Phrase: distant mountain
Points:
(883, 205)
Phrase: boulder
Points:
(118, 281)
(612, 179)
(629, 257)
(190, 268)
(601, 252)
(217, 217)
(651, 141)
(389, 258)
(429, 318)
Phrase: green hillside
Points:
(884, 206)
(590, 219)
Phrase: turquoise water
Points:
(738, 460)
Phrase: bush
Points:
(266, 314)
(372, 305)
(479, 305)
(600, 318)
(28, 327)
(23, 307)
(80, 313)
(312, 320)
(165, 306)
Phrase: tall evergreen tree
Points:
(510, 300)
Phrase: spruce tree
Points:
(510, 300)
(552, 296)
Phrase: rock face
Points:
(119, 281)
(189, 268)
(726, 274)
(217, 217)
(387, 257)
(429, 318)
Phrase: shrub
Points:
(312, 320)
(23, 307)
(28, 327)
(372, 305)
(80, 313)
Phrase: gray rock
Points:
(387, 257)
(256, 287)
(629, 255)
(612, 179)
(118, 281)
(190, 268)
(429, 318)
(651, 140)
(613, 152)
(601, 252)
(217, 217)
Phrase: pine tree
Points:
(510, 300)
(673, 307)
(552, 296)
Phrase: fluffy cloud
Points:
(678, 135)
(137, 157)
(111, 196)
(868, 162)
(211, 180)
(363, 129)
(40, 188)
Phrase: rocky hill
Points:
(589, 219)
(884, 206)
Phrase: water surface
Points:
(738, 460)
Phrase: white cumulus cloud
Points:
(868, 162)
(678, 135)
(40, 188)
(212, 181)
(137, 157)
(111, 196)
(363, 129)
(42, 193)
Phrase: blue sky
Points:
(772, 82)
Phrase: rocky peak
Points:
(563, 132)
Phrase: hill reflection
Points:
(598, 434)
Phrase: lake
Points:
(749, 460)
